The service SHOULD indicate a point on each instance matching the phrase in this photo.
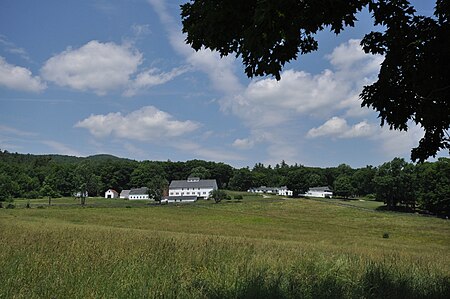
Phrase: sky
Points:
(116, 77)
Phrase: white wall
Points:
(319, 194)
(138, 196)
(111, 194)
(199, 192)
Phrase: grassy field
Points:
(254, 248)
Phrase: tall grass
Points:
(42, 256)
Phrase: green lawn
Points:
(353, 202)
(251, 248)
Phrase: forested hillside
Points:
(398, 183)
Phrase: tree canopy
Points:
(413, 81)
(425, 186)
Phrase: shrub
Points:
(10, 206)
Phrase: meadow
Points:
(253, 248)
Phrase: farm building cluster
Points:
(194, 188)
(283, 191)
(188, 190)
(324, 192)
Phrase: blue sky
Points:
(89, 77)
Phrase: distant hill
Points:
(94, 158)
(104, 157)
(64, 159)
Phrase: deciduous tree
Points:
(394, 183)
(156, 188)
(218, 195)
(343, 186)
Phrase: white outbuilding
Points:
(138, 193)
(320, 192)
(111, 193)
(192, 187)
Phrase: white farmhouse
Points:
(320, 192)
(193, 186)
(284, 191)
(138, 193)
(78, 194)
(111, 193)
(264, 189)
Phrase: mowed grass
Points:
(255, 248)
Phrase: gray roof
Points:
(264, 188)
(125, 193)
(320, 189)
(139, 191)
(198, 184)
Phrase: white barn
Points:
(138, 193)
(192, 187)
(111, 193)
(320, 192)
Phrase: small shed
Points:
(111, 193)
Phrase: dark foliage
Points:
(401, 185)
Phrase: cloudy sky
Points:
(114, 76)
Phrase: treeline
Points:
(398, 183)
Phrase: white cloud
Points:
(61, 148)
(13, 49)
(140, 30)
(337, 127)
(98, 67)
(282, 109)
(361, 129)
(15, 132)
(268, 102)
(151, 78)
(391, 143)
(103, 67)
(206, 153)
(277, 113)
(145, 124)
(396, 143)
(105, 7)
(332, 127)
(134, 150)
(219, 70)
(244, 143)
(19, 78)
